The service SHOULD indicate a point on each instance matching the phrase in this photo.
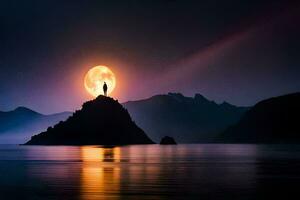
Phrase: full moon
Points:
(95, 78)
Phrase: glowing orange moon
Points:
(95, 78)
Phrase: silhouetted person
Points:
(105, 89)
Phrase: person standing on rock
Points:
(105, 89)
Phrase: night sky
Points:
(235, 51)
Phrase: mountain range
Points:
(20, 124)
(187, 119)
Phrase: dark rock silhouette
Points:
(188, 119)
(101, 121)
(275, 120)
(167, 140)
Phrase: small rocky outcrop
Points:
(167, 140)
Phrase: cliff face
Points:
(101, 121)
(275, 120)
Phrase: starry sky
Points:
(235, 51)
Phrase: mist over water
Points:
(205, 171)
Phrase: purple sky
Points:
(234, 51)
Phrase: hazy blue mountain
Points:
(274, 120)
(187, 119)
(19, 125)
(102, 121)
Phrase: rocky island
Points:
(102, 121)
(167, 140)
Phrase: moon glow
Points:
(95, 78)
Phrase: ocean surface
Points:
(194, 171)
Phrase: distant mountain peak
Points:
(225, 103)
(177, 96)
(17, 125)
(22, 109)
(200, 97)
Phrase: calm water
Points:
(211, 171)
